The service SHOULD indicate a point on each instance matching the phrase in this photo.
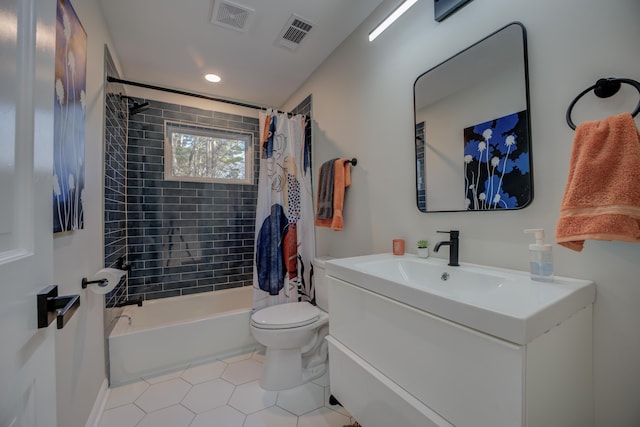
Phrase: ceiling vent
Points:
(294, 32)
(231, 15)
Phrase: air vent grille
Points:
(294, 35)
(294, 32)
(231, 15)
(304, 26)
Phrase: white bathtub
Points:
(171, 333)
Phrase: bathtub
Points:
(171, 333)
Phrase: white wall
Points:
(80, 365)
(363, 107)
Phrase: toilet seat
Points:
(285, 316)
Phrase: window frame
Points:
(198, 129)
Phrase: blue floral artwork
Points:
(496, 164)
(69, 120)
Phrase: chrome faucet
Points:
(122, 315)
(453, 246)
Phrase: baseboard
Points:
(98, 406)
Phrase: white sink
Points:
(422, 273)
(501, 302)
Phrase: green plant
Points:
(423, 244)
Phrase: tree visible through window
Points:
(197, 153)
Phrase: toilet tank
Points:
(320, 282)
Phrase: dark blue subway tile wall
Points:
(185, 237)
(304, 107)
(180, 237)
(115, 204)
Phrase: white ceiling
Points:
(173, 44)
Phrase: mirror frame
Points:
(420, 163)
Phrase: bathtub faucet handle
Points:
(122, 315)
(120, 265)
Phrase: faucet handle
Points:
(452, 233)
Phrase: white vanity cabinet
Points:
(393, 365)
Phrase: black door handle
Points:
(51, 306)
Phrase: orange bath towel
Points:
(341, 180)
(602, 195)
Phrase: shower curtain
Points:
(285, 239)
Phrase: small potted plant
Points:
(423, 248)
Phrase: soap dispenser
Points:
(540, 257)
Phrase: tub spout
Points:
(133, 301)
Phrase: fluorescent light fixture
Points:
(391, 18)
(213, 78)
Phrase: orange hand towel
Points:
(341, 180)
(602, 195)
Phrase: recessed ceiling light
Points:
(213, 78)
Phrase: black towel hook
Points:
(604, 88)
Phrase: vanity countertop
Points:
(501, 302)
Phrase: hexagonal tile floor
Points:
(223, 393)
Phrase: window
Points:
(198, 153)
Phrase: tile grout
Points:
(290, 405)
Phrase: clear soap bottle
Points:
(540, 257)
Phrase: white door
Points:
(27, 354)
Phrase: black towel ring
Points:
(604, 88)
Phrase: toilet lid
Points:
(290, 315)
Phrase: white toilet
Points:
(293, 334)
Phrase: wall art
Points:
(69, 120)
(496, 164)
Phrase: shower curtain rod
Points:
(195, 95)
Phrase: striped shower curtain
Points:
(285, 239)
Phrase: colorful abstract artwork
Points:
(69, 120)
(496, 164)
